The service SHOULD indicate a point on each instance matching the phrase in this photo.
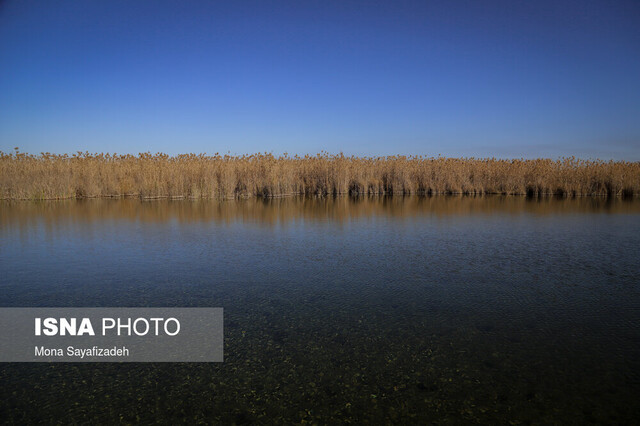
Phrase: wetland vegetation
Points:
(82, 175)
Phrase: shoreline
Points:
(330, 196)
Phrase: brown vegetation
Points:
(50, 176)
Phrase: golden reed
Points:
(51, 176)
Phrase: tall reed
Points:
(52, 176)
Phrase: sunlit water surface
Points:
(443, 309)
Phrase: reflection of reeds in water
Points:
(48, 176)
(56, 214)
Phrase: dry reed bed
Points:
(50, 176)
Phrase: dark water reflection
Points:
(411, 310)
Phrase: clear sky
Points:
(459, 78)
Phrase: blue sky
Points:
(457, 78)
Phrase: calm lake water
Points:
(408, 310)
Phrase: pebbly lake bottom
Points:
(376, 310)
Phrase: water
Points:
(408, 310)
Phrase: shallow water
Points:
(441, 309)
